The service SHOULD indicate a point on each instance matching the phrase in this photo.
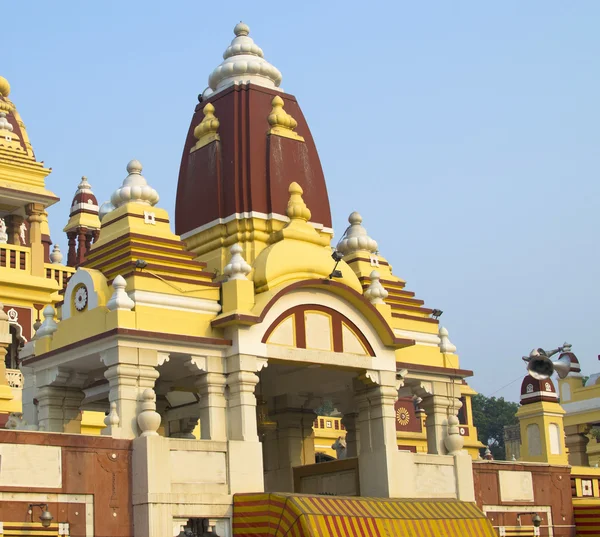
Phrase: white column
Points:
(129, 372)
(211, 388)
(377, 433)
(244, 449)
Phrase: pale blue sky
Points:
(466, 133)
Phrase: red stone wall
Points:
(96, 466)
(551, 488)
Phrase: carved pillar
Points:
(129, 372)
(35, 217)
(13, 229)
(211, 388)
(46, 240)
(245, 451)
(242, 406)
(349, 421)
(88, 241)
(576, 442)
(375, 397)
(291, 444)
(439, 401)
(81, 245)
(72, 255)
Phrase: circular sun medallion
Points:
(402, 416)
(81, 297)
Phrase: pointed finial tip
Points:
(236, 249)
(277, 101)
(241, 29)
(375, 275)
(4, 87)
(295, 188)
(355, 218)
(208, 109)
(134, 166)
(443, 331)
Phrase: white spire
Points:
(244, 62)
(237, 269)
(446, 346)
(135, 188)
(355, 238)
(375, 293)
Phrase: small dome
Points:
(4, 87)
(243, 63)
(135, 188)
(534, 390)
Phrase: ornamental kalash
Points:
(195, 360)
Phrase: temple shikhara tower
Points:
(168, 377)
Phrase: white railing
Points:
(14, 378)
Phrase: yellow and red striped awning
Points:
(587, 518)
(299, 515)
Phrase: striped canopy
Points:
(296, 515)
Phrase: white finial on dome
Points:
(5, 125)
(446, 346)
(243, 63)
(375, 293)
(135, 188)
(49, 326)
(237, 269)
(56, 256)
(355, 238)
(112, 420)
(84, 186)
(120, 299)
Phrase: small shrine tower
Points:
(541, 422)
(83, 227)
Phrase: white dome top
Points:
(355, 238)
(244, 62)
(135, 188)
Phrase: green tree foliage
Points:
(490, 415)
(326, 409)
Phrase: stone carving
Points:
(340, 447)
(23, 234)
(3, 234)
(17, 422)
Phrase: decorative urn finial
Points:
(355, 238)
(296, 208)
(135, 188)
(375, 293)
(237, 268)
